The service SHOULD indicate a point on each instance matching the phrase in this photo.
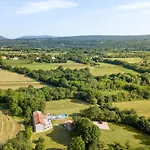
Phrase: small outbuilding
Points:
(69, 125)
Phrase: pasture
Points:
(98, 70)
(9, 127)
(107, 69)
(14, 80)
(122, 134)
(59, 138)
(142, 107)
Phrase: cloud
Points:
(36, 7)
(134, 6)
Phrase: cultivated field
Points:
(14, 80)
(98, 70)
(129, 60)
(8, 128)
(59, 138)
(123, 134)
(142, 107)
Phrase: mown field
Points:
(9, 127)
(142, 107)
(98, 70)
(59, 138)
(122, 134)
(14, 80)
(129, 60)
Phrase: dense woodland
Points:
(84, 42)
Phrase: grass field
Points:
(58, 138)
(122, 134)
(45, 66)
(104, 68)
(99, 70)
(9, 127)
(14, 80)
(142, 107)
(129, 60)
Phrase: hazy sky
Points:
(74, 17)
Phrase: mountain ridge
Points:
(35, 37)
(2, 38)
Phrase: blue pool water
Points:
(60, 116)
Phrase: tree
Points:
(40, 144)
(88, 131)
(28, 132)
(77, 144)
(1, 61)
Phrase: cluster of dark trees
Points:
(79, 58)
(113, 114)
(24, 101)
(51, 59)
(86, 136)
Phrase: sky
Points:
(74, 17)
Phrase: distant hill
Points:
(2, 38)
(107, 37)
(35, 37)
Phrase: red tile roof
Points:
(39, 117)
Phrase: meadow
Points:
(122, 134)
(14, 80)
(98, 70)
(142, 107)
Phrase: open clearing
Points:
(98, 70)
(104, 68)
(14, 80)
(123, 134)
(59, 138)
(142, 107)
(8, 128)
(66, 106)
(129, 60)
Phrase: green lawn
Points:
(55, 139)
(122, 134)
(66, 106)
(98, 70)
(45, 66)
(142, 107)
(104, 68)
(59, 138)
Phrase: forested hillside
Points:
(86, 42)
